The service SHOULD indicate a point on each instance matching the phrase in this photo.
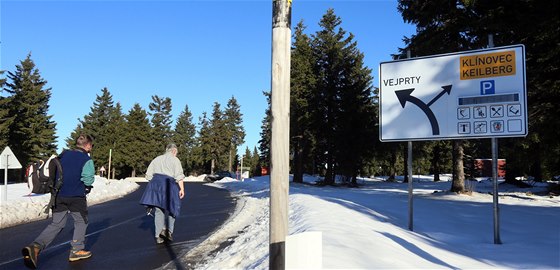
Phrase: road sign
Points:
(473, 94)
(9, 160)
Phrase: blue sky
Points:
(194, 52)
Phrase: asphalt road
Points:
(120, 234)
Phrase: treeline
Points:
(444, 26)
(334, 107)
(135, 138)
(130, 140)
(333, 114)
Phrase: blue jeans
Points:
(161, 222)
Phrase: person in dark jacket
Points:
(78, 174)
(164, 192)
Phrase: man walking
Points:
(78, 176)
(164, 192)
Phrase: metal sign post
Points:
(410, 188)
(5, 187)
(496, 206)
(7, 161)
(410, 184)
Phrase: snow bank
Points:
(366, 227)
(23, 206)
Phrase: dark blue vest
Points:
(73, 162)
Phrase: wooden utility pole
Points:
(280, 140)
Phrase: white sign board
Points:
(7, 161)
(8, 158)
(473, 94)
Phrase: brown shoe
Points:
(76, 255)
(30, 255)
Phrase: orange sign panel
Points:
(487, 65)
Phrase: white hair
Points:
(170, 147)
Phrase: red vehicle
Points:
(484, 167)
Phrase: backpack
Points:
(45, 176)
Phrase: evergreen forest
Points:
(334, 106)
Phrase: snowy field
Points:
(367, 227)
(23, 206)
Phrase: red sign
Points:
(264, 171)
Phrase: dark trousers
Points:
(77, 208)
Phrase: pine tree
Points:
(184, 137)
(220, 141)
(255, 160)
(160, 110)
(204, 148)
(543, 60)
(116, 141)
(303, 83)
(138, 138)
(97, 123)
(447, 26)
(266, 134)
(344, 116)
(233, 121)
(248, 165)
(442, 27)
(32, 131)
(6, 119)
(440, 157)
(327, 43)
(534, 24)
(357, 117)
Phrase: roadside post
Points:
(109, 170)
(241, 169)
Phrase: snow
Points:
(23, 206)
(367, 227)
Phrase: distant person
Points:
(77, 175)
(164, 192)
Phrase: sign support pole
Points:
(495, 200)
(409, 172)
(495, 174)
(410, 192)
(5, 187)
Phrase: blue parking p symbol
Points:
(487, 87)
